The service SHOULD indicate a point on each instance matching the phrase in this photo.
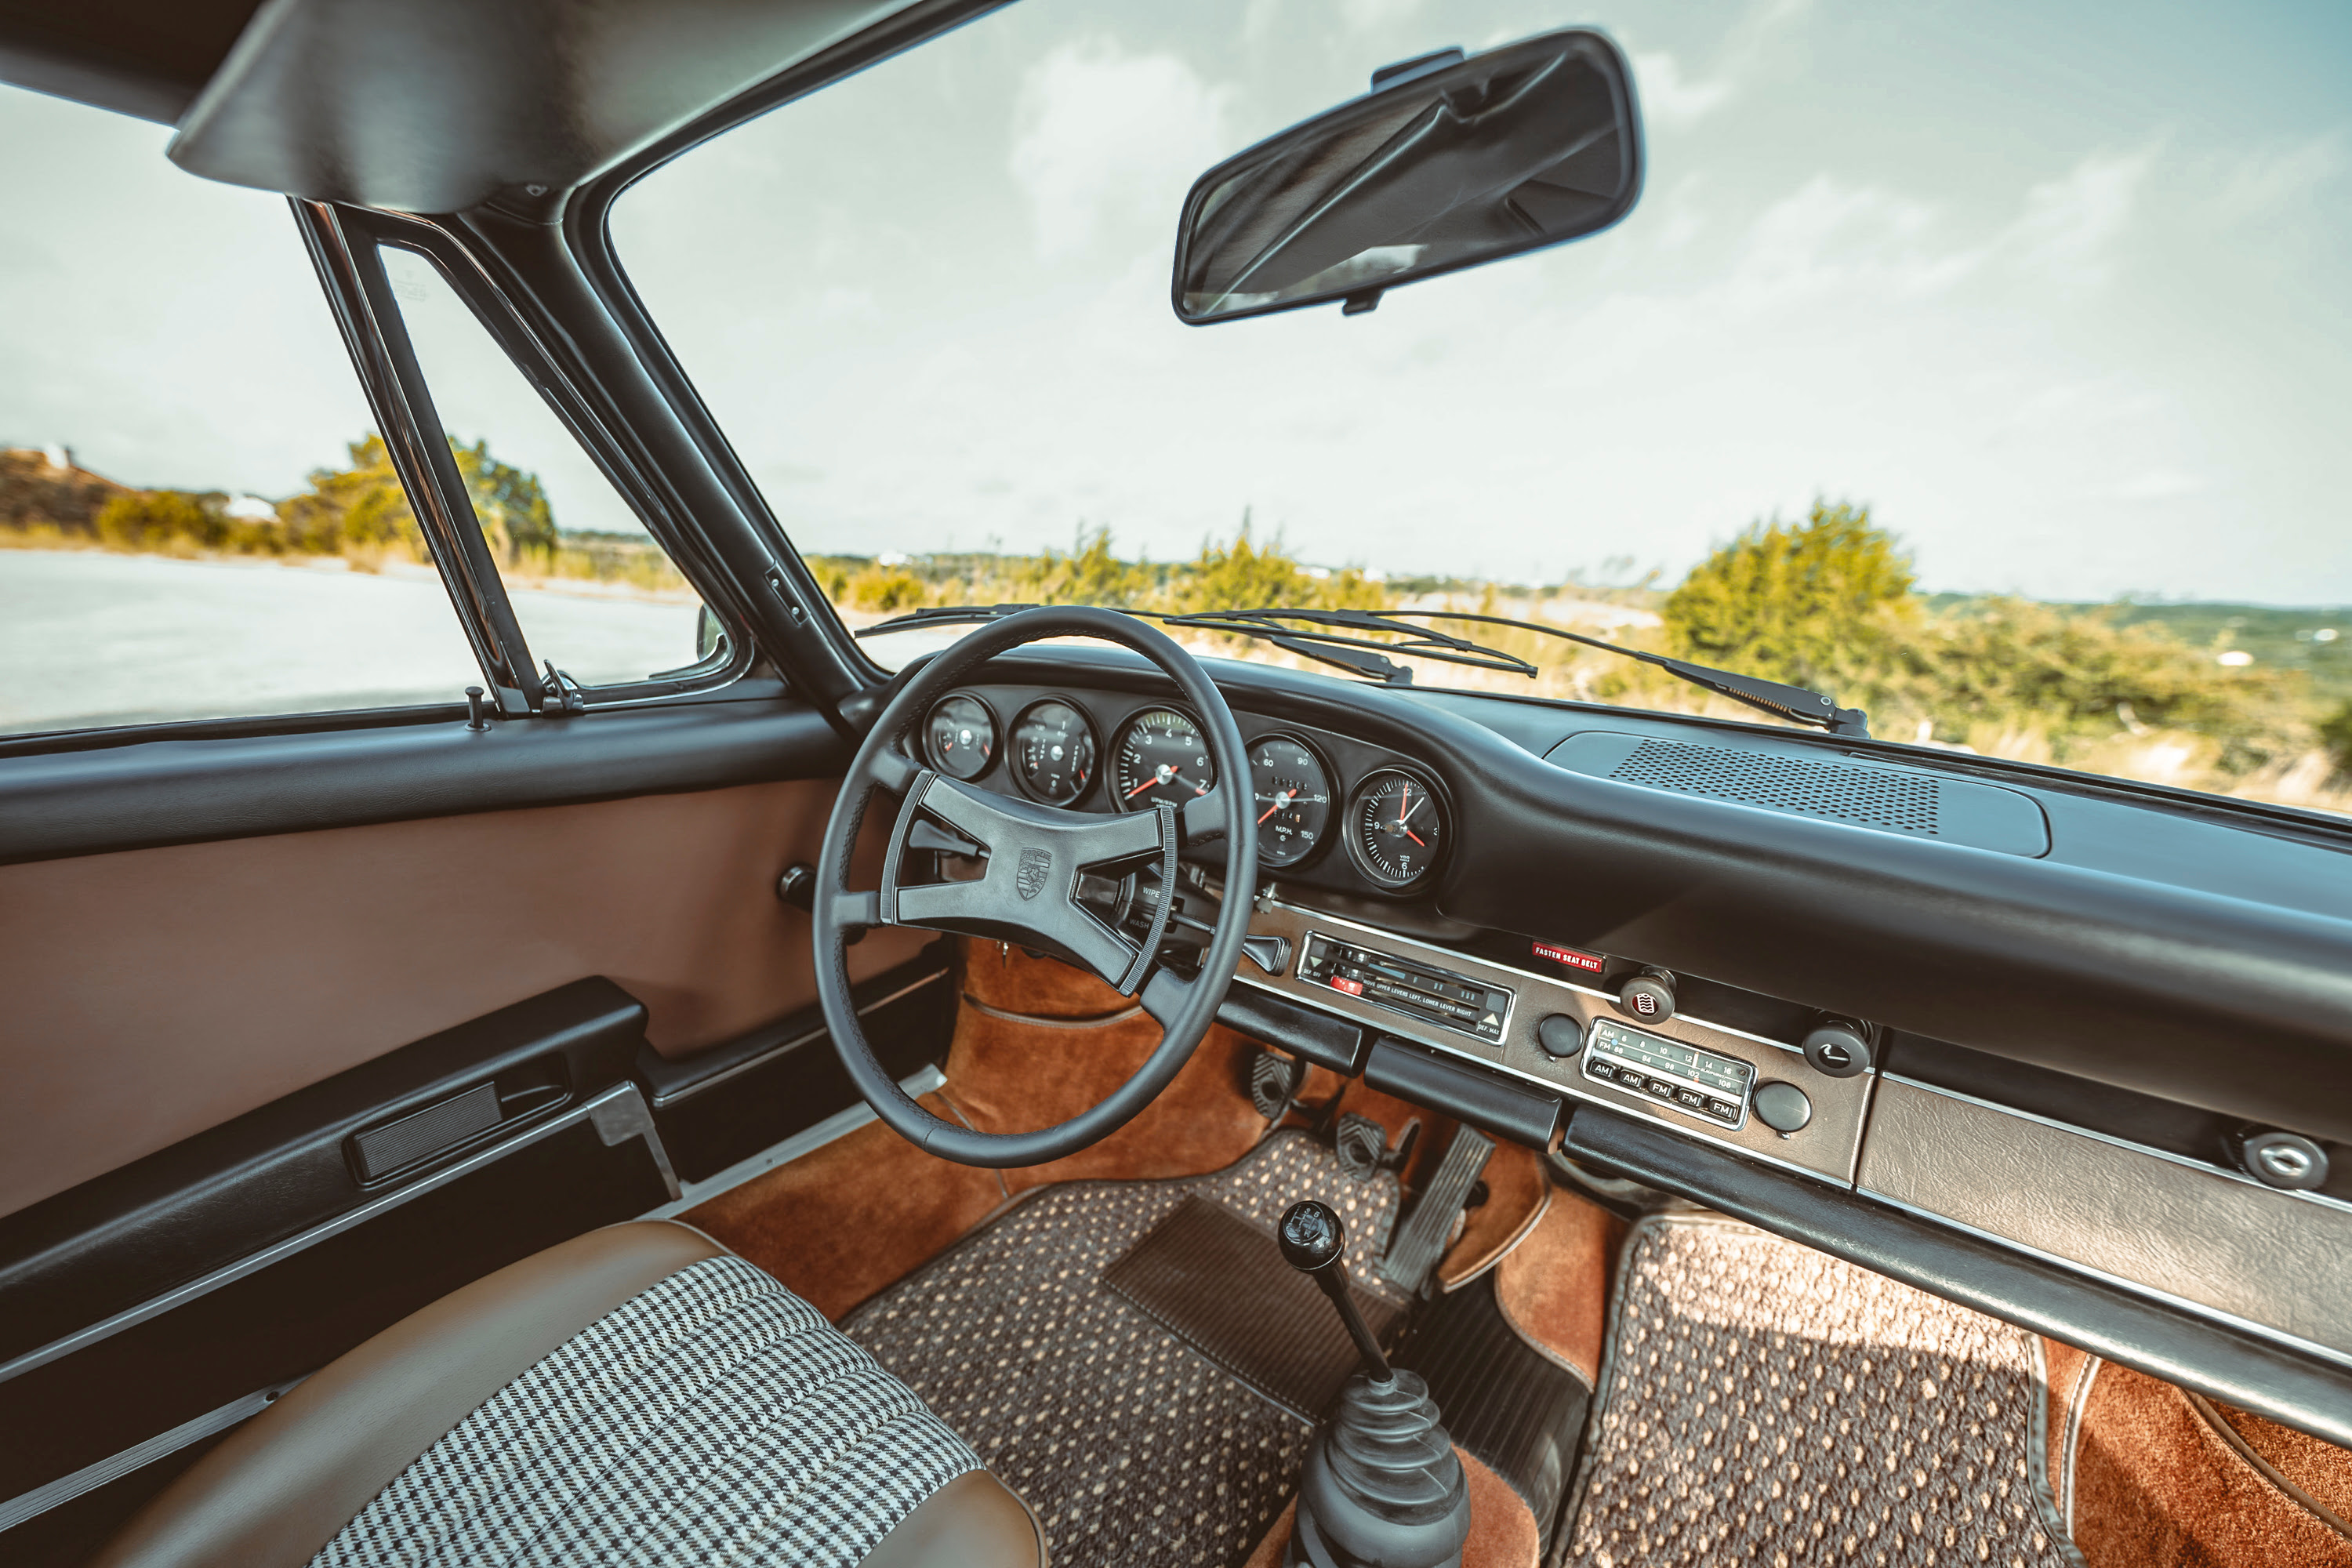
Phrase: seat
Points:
(636, 1395)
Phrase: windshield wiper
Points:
(1794, 703)
(1308, 638)
(1300, 631)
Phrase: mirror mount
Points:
(1450, 162)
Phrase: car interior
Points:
(792, 1110)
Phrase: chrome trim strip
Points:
(620, 1107)
(2074, 1266)
(2211, 1169)
(807, 1140)
(114, 1466)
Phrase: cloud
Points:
(1103, 138)
(2282, 178)
(1666, 98)
(2156, 484)
(2070, 223)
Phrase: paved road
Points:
(89, 637)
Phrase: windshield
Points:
(1990, 378)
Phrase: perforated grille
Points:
(1900, 803)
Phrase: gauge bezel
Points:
(1359, 857)
(1342, 793)
(995, 722)
(1118, 736)
(1085, 721)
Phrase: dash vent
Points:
(1892, 802)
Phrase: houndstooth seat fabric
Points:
(713, 1418)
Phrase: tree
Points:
(510, 504)
(1801, 603)
(138, 518)
(360, 505)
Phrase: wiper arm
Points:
(1794, 703)
(1294, 630)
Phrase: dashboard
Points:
(1958, 1005)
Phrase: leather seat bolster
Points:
(280, 1487)
(973, 1521)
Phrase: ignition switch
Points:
(1839, 1048)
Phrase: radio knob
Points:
(1839, 1048)
(1649, 996)
(1560, 1036)
(1783, 1107)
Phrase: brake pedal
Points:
(1420, 1240)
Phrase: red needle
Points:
(1269, 811)
(1138, 789)
(1409, 832)
(1402, 813)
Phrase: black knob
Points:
(1649, 996)
(1783, 1107)
(1311, 1238)
(1839, 1048)
(1560, 1036)
(797, 886)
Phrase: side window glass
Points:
(593, 593)
(196, 519)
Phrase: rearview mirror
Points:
(1447, 162)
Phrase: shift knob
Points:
(1312, 1240)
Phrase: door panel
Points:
(155, 992)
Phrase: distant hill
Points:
(2316, 639)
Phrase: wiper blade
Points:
(1794, 703)
(1298, 631)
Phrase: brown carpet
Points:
(1131, 1448)
(1765, 1404)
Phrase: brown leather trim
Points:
(973, 1521)
(284, 1483)
(156, 992)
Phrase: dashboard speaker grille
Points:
(1899, 803)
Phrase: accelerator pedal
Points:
(1420, 1240)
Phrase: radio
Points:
(1405, 985)
(1693, 1081)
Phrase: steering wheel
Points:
(1028, 891)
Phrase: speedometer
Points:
(1160, 755)
(1293, 793)
(1396, 828)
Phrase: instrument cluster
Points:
(1308, 788)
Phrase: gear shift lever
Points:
(1383, 1487)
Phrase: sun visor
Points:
(441, 105)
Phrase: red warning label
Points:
(1587, 961)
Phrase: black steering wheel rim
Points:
(1184, 1009)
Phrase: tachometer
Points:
(1160, 755)
(1053, 752)
(1294, 800)
(960, 738)
(1396, 828)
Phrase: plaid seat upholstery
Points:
(714, 1418)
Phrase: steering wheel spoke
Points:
(1166, 994)
(892, 769)
(1204, 816)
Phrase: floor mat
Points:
(1219, 1284)
(1132, 1449)
(1762, 1403)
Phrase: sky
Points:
(2064, 295)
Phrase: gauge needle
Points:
(1281, 799)
(1162, 775)
(1404, 811)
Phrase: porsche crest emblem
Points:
(1030, 875)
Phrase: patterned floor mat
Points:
(1132, 1449)
(1762, 1403)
